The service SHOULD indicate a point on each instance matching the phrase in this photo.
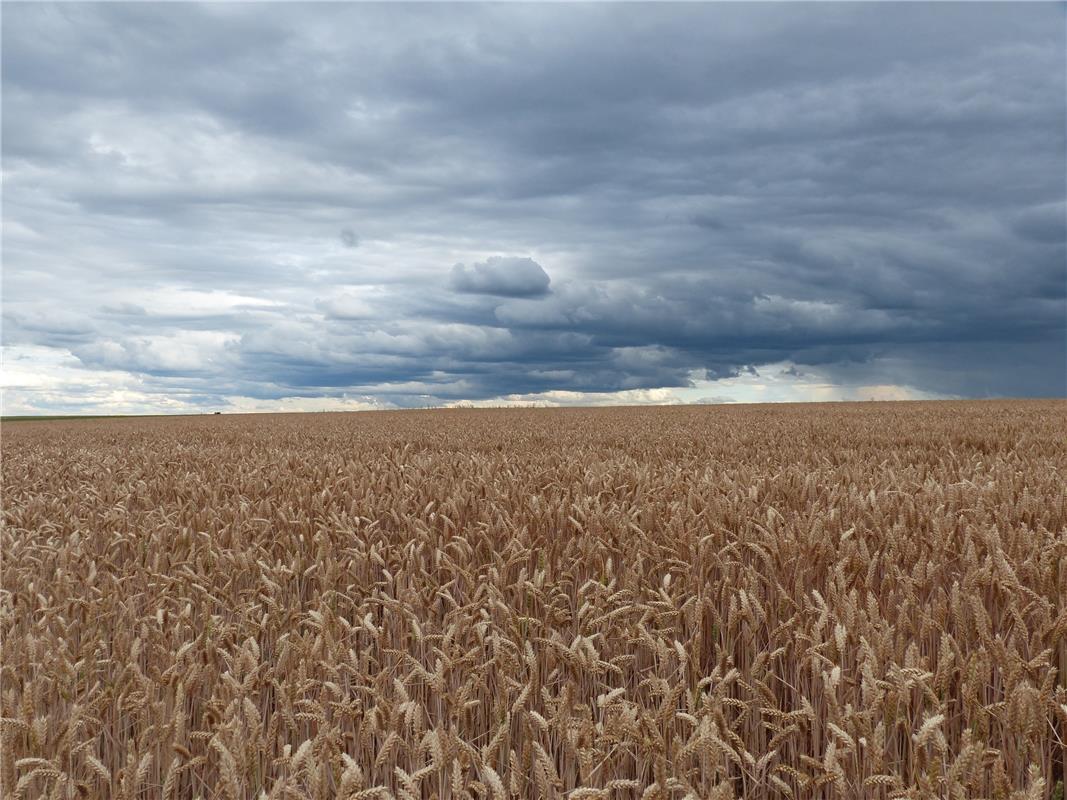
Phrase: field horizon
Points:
(529, 407)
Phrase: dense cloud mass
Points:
(504, 277)
(299, 206)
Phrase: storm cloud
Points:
(243, 206)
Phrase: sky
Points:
(245, 207)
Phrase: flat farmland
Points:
(817, 601)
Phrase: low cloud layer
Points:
(227, 206)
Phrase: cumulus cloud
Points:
(870, 194)
(348, 306)
(502, 277)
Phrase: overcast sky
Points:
(243, 207)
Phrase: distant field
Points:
(52, 417)
(828, 601)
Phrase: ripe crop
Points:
(827, 601)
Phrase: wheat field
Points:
(824, 601)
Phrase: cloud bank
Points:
(228, 206)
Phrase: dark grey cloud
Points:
(502, 277)
(633, 196)
(1043, 224)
